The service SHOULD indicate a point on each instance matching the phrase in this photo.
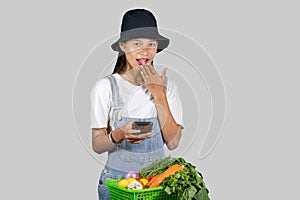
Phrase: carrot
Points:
(157, 180)
(151, 181)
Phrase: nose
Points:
(144, 50)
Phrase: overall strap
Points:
(116, 98)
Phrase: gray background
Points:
(255, 45)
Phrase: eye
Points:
(152, 44)
(136, 44)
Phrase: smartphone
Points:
(145, 127)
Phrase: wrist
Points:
(116, 136)
(111, 139)
(160, 97)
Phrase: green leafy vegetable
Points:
(187, 183)
(157, 167)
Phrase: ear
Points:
(122, 46)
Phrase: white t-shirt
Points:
(137, 100)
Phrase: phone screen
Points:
(145, 127)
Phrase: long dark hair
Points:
(120, 64)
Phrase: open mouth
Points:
(142, 61)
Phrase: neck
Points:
(132, 74)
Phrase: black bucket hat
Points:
(140, 23)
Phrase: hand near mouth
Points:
(154, 82)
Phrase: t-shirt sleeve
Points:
(174, 102)
(100, 104)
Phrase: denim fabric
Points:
(128, 156)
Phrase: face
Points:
(139, 51)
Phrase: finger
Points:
(143, 76)
(144, 70)
(132, 138)
(163, 73)
(147, 69)
(133, 131)
(135, 141)
(144, 135)
(132, 121)
(138, 136)
(152, 70)
(130, 141)
(138, 141)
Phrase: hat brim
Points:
(146, 32)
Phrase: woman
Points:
(134, 92)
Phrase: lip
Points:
(142, 61)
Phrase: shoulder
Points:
(172, 89)
(171, 85)
(102, 84)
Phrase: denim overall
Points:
(126, 156)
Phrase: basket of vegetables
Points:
(169, 178)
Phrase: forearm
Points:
(156, 84)
(170, 129)
(101, 142)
